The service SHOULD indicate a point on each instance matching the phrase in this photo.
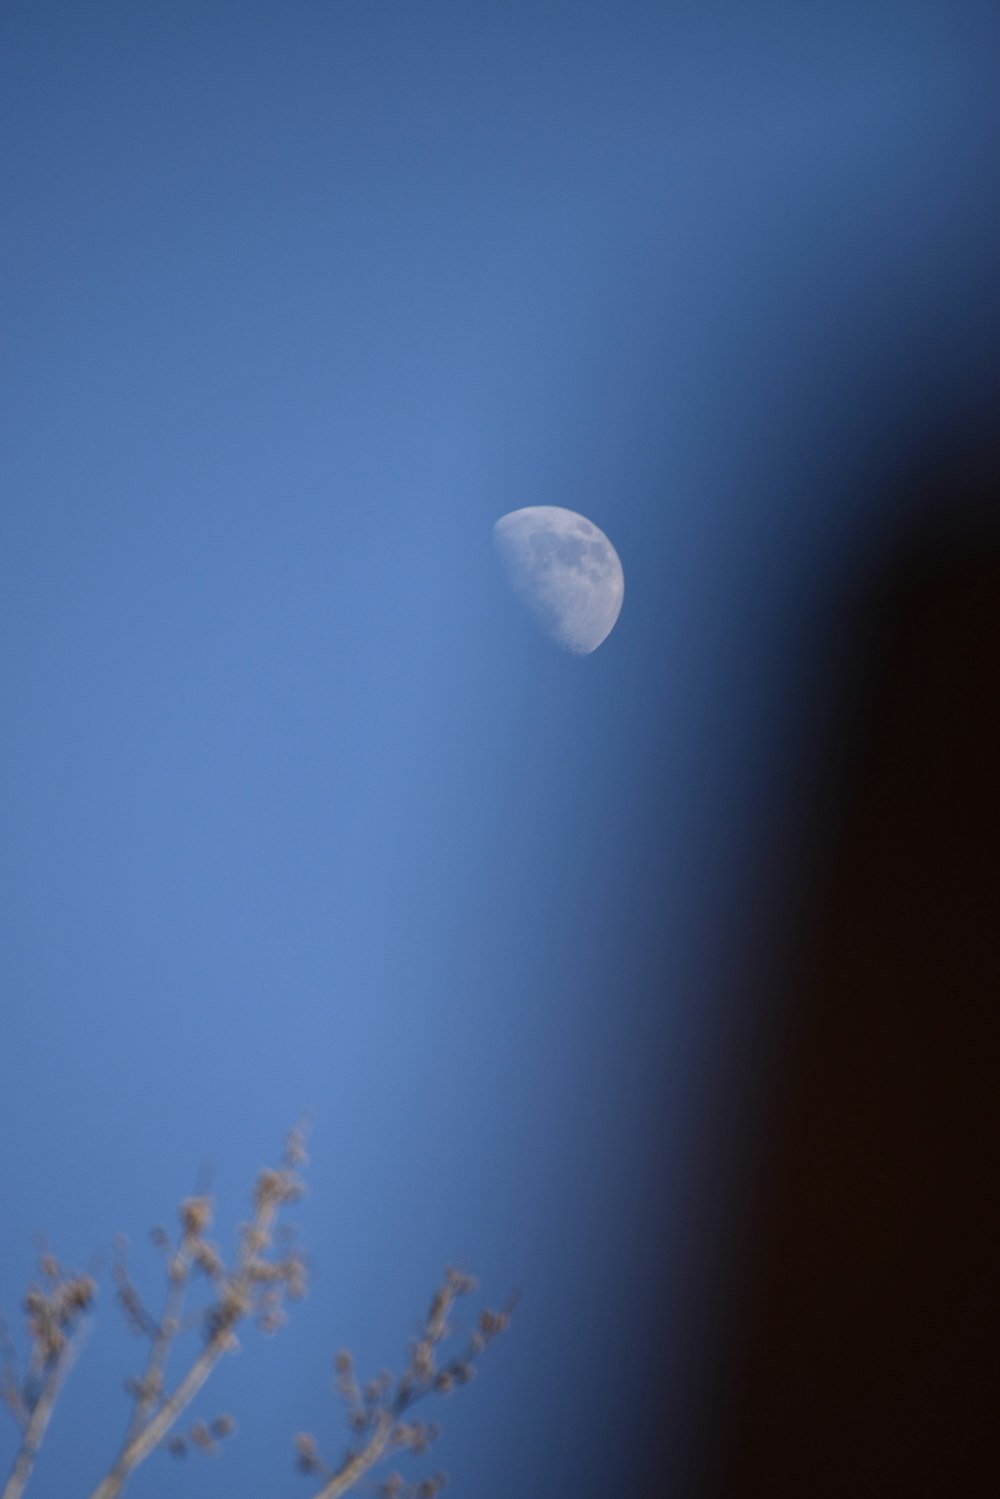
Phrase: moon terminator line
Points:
(565, 572)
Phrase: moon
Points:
(565, 572)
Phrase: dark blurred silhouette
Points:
(861, 1322)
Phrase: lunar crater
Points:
(565, 572)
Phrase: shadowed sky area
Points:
(298, 809)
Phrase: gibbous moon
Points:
(565, 572)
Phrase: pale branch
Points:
(377, 1420)
(249, 1289)
(265, 1271)
(162, 1333)
(154, 1431)
(38, 1421)
(55, 1325)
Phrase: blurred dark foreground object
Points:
(863, 1348)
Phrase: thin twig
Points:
(358, 1465)
(252, 1288)
(236, 1301)
(383, 1430)
(10, 1380)
(152, 1434)
(41, 1414)
(152, 1380)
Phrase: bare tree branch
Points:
(377, 1417)
(267, 1271)
(34, 1432)
(55, 1325)
(249, 1290)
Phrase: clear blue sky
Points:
(297, 811)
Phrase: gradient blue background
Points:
(297, 811)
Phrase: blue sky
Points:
(297, 811)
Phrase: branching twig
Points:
(376, 1417)
(267, 1271)
(252, 1288)
(55, 1326)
